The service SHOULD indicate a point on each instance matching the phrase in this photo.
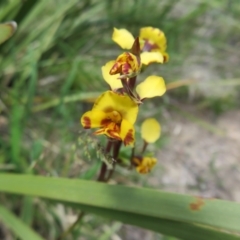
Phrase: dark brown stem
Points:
(127, 88)
(103, 169)
(116, 149)
(132, 82)
(102, 172)
(145, 144)
(132, 156)
(110, 173)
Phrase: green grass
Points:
(51, 67)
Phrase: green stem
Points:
(70, 229)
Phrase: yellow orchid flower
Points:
(151, 130)
(153, 43)
(127, 65)
(144, 164)
(115, 115)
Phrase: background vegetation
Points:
(50, 71)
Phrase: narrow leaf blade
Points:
(17, 225)
(144, 202)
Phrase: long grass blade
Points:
(17, 226)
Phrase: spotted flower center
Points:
(127, 65)
(111, 125)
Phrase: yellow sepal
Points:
(123, 38)
(93, 119)
(155, 36)
(153, 86)
(150, 57)
(112, 80)
(150, 130)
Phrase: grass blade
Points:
(17, 226)
(143, 202)
(177, 229)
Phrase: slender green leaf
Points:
(83, 96)
(177, 229)
(17, 226)
(128, 200)
(27, 210)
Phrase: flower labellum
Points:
(115, 115)
(144, 164)
(127, 65)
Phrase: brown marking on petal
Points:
(129, 57)
(148, 46)
(129, 138)
(86, 122)
(126, 68)
(165, 59)
(116, 68)
(197, 205)
(105, 122)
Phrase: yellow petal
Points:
(150, 130)
(94, 119)
(123, 38)
(112, 80)
(149, 57)
(127, 133)
(155, 36)
(124, 105)
(146, 165)
(152, 86)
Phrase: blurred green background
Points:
(51, 69)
